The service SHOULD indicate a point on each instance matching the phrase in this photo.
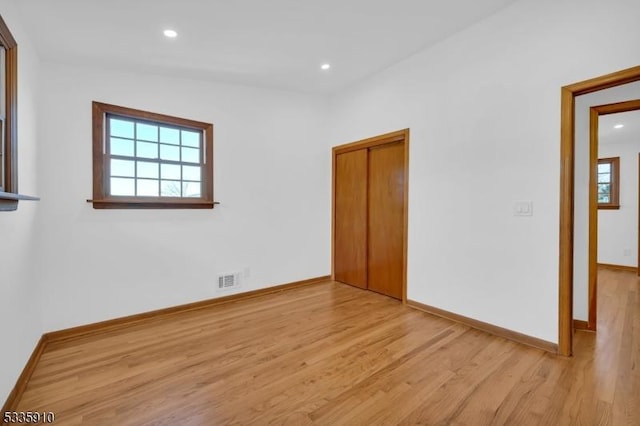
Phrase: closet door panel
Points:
(350, 247)
(386, 218)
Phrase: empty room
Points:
(319, 212)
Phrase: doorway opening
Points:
(605, 183)
(567, 190)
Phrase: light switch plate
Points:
(523, 208)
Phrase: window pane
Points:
(191, 173)
(121, 147)
(123, 168)
(147, 170)
(121, 128)
(146, 132)
(604, 188)
(191, 189)
(147, 150)
(3, 85)
(191, 139)
(604, 177)
(147, 188)
(604, 168)
(168, 152)
(2, 156)
(170, 188)
(168, 135)
(603, 198)
(122, 187)
(1, 168)
(170, 171)
(190, 155)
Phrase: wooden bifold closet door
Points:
(369, 209)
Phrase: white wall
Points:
(618, 229)
(484, 111)
(272, 176)
(581, 197)
(20, 322)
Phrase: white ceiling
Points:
(630, 133)
(272, 43)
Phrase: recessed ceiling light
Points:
(618, 126)
(325, 66)
(170, 33)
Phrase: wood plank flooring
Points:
(331, 354)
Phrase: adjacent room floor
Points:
(333, 354)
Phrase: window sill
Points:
(9, 200)
(609, 207)
(152, 203)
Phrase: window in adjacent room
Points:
(147, 160)
(609, 183)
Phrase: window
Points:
(147, 160)
(609, 183)
(8, 119)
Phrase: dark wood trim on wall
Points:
(622, 268)
(486, 327)
(593, 221)
(10, 128)
(21, 384)
(581, 325)
(397, 136)
(567, 187)
(11, 121)
(567, 176)
(405, 248)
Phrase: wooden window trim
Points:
(9, 196)
(102, 200)
(614, 200)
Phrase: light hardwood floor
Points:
(333, 354)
